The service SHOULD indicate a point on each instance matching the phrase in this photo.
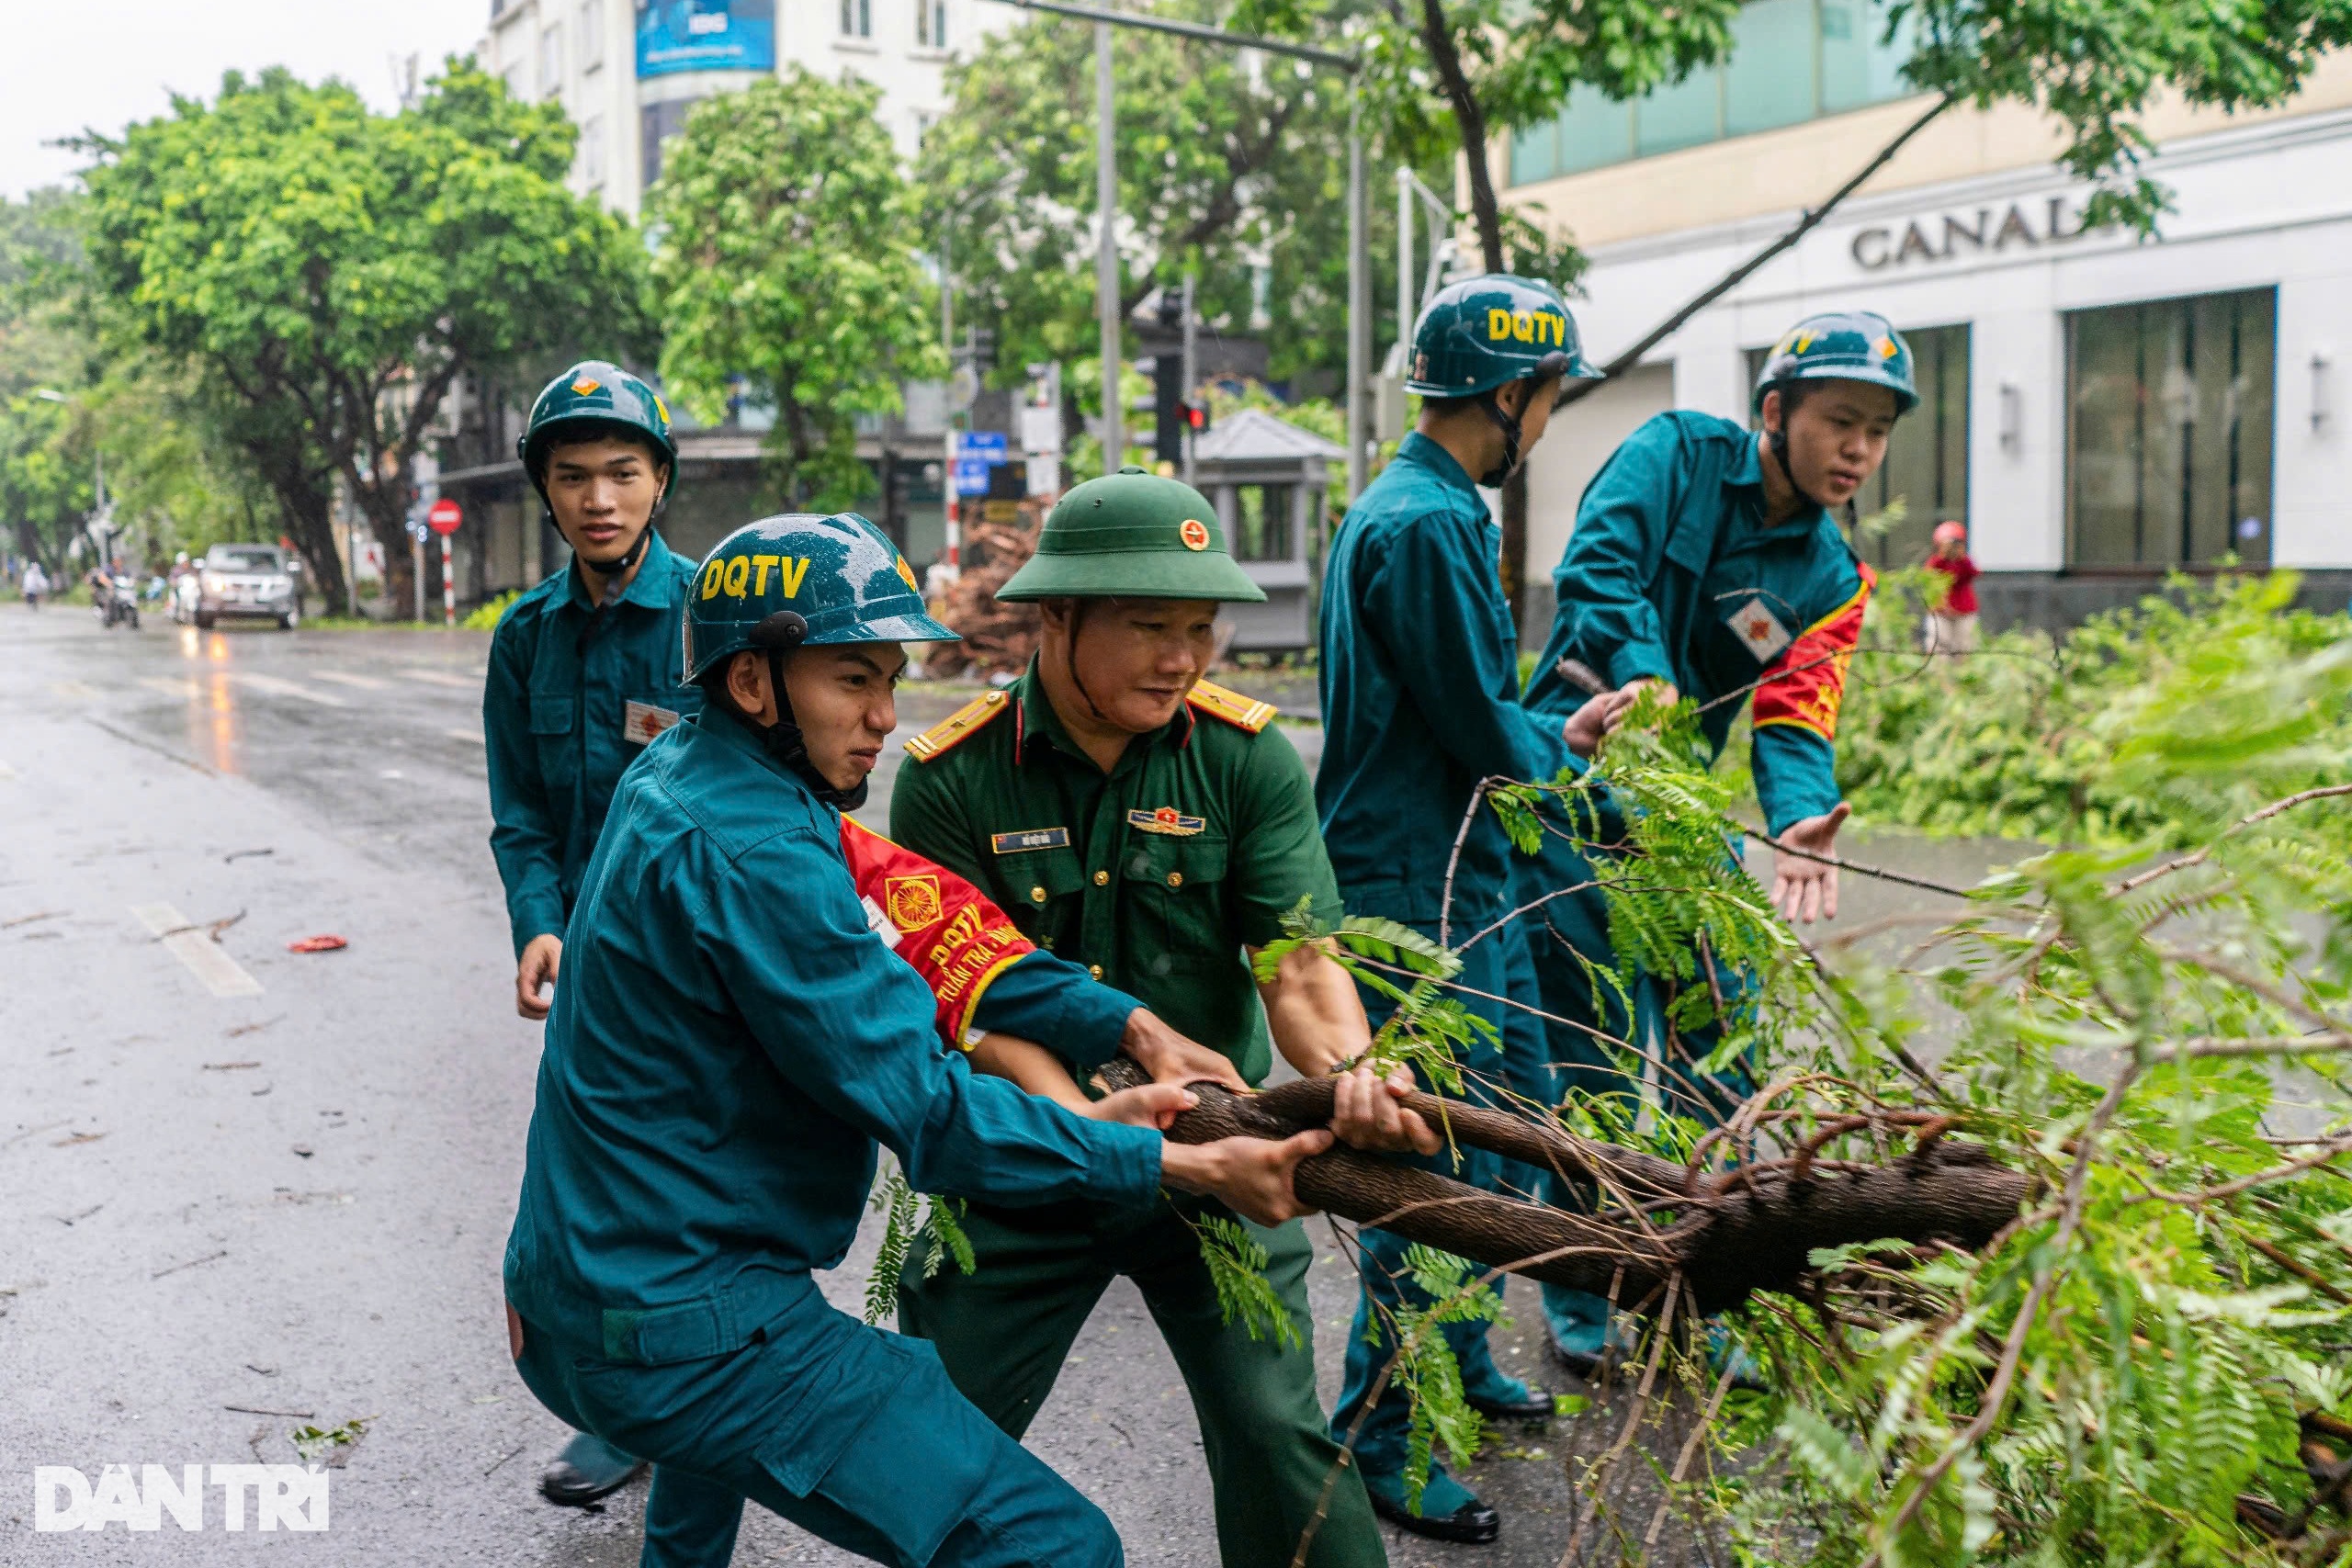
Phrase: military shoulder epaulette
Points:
(1242, 713)
(958, 727)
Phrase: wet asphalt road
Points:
(223, 1217)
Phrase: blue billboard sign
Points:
(989, 444)
(972, 476)
(705, 35)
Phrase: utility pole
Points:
(1191, 377)
(1359, 297)
(951, 542)
(1107, 258)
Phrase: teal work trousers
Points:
(1006, 1330)
(852, 1433)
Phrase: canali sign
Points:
(1948, 236)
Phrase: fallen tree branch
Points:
(1738, 1233)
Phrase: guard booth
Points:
(1267, 479)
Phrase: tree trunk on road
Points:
(1726, 1234)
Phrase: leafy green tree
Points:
(46, 447)
(323, 275)
(1232, 165)
(789, 276)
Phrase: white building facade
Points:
(627, 71)
(2099, 410)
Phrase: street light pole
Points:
(1359, 300)
(1107, 258)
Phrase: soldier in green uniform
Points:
(1141, 822)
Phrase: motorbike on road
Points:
(114, 599)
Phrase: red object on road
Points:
(445, 516)
(317, 944)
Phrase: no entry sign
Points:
(445, 517)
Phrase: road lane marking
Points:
(7, 772)
(364, 683)
(443, 678)
(278, 688)
(222, 975)
(472, 734)
(78, 691)
(171, 686)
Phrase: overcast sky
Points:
(68, 65)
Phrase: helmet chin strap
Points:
(608, 591)
(1078, 613)
(1509, 424)
(777, 635)
(1546, 371)
(1776, 441)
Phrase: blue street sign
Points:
(987, 444)
(972, 476)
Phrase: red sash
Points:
(1805, 684)
(945, 928)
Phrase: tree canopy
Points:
(788, 273)
(322, 274)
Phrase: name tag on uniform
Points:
(641, 722)
(1167, 819)
(1761, 631)
(880, 923)
(1031, 838)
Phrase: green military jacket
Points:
(1155, 876)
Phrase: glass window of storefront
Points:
(1927, 457)
(1792, 60)
(2168, 432)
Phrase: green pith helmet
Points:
(798, 580)
(591, 394)
(1485, 333)
(1132, 535)
(1841, 346)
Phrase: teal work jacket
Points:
(1420, 683)
(730, 1046)
(564, 684)
(1671, 573)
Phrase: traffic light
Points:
(1167, 407)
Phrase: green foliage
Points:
(2095, 66)
(1227, 162)
(787, 274)
(486, 615)
(313, 276)
(2156, 1032)
(909, 1218)
(2108, 735)
(1427, 1373)
(312, 1444)
(1236, 1263)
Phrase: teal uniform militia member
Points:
(1420, 701)
(1147, 823)
(584, 672)
(1704, 558)
(732, 1039)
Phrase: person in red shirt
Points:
(1952, 624)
